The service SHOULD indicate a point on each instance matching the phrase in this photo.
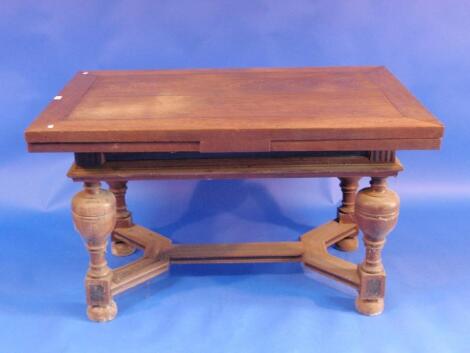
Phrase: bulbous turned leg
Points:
(123, 218)
(377, 210)
(94, 217)
(346, 212)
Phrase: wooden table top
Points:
(234, 110)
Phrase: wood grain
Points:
(344, 122)
(312, 250)
(235, 253)
(377, 209)
(345, 212)
(94, 217)
(238, 110)
(235, 168)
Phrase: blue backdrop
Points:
(239, 308)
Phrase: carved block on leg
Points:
(101, 306)
(346, 212)
(377, 210)
(370, 300)
(123, 218)
(94, 217)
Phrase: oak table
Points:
(344, 122)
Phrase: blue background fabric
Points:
(234, 308)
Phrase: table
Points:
(344, 122)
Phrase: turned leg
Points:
(376, 214)
(94, 216)
(346, 212)
(123, 218)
